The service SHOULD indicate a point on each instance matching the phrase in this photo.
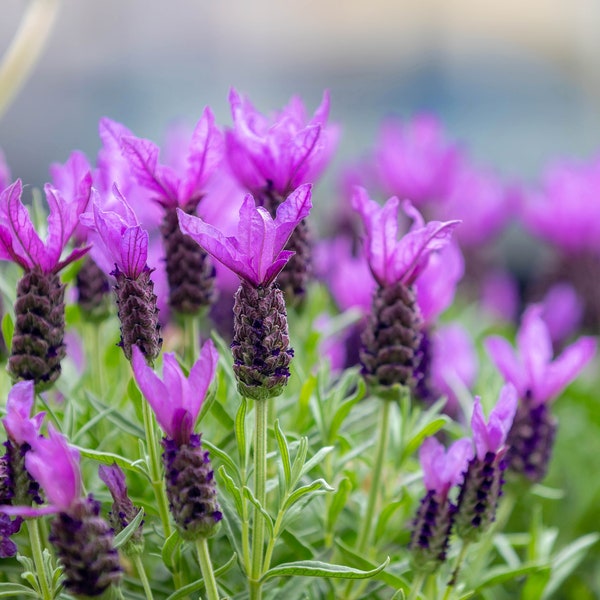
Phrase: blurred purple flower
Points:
(531, 368)
(176, 399)
(415, 160)
(499, 295)
(183, 184)
(392, 260)
(19, 424)
(444, 469)
(279, 153)
(490, 437)
(562, 311)
(565, 212)
(256, 254)
(19, 240)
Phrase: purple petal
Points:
(29, 511)
(134, 251)
(114, 478)
(535, 346)
(296, 207)
(457, 458)
(430, 455)
(507, 362)
(202, 375)
(566, 368)
(562, 311)
(17, 422)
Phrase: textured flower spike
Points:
(83, 540)
(391, 340)
(16, 485)
(260, 344)
(176, 401)
(483, 479)
(433, 522)
(125, 243)
(189, 271)
(37, 346)
(123, 510)
(538, 379)
(272, 157)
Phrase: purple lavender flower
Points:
(392, 337)
(271, 158)
(483, 480)
(16, 485)
(176, 401)
(415, 160)
(37, 347)
(124, 242)
(261, 342)
(562, 311)
(538, 380)
(431, 528)
(123, 511)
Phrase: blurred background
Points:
(518, 83)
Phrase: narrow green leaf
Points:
(232, 489)
(319, 486)
(344, 409)
(108, 458)
(285, 453)
(497, 575)
(222, 416)
(428, 430)
(209, 400)
(240, 430)
(339, 501)
(16, 590)
(316, 459)
(115, 417)
(8, 329)
(315, 568)
(170, 550)
(301, 453)
(216, 452)
(384, 517)
(126, 533)
(269, 522)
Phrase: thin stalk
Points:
(260, 476)
(457, 566)
(417, 584)
(139, 565)
(208, 574)
(26, 48)
(95, 357)
(382, 442)
(38, 558)
(191, 338)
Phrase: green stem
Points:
(260, 476)
(95, 357)
(191, 338)
(382, 441)
(139, 565)
(208, 574)
(38, 559)
(417, 584)
(457, 565)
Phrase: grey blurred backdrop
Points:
(518, 81)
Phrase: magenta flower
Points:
(279, 153)
(531, 368)
(257, 253)
(121, 240)
(415, 160)
(491, 436)
(392, 260)
(444, 469)
(19, 240)
(19, 424)
(176, 399)
(500, 295)
(562, 311)
(179, 185)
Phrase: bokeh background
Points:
(518, 82)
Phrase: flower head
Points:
(20, 242)
(257, 253)
(172, 186)
(415, 160)
(531, 368)
(121, 240)
(176, 399)
(19, 425)
(443, 469)
(491, 436)
(283, 152)
(392, 260)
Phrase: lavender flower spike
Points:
(176, 399)
(483, 479)
(256, 254)
(433, 522)
(539, 380)
(38, 347)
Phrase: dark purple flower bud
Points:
(261, 345)
(123, 511)
(191, 488)
(8, 526)
(93, 289)
(84, 544)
